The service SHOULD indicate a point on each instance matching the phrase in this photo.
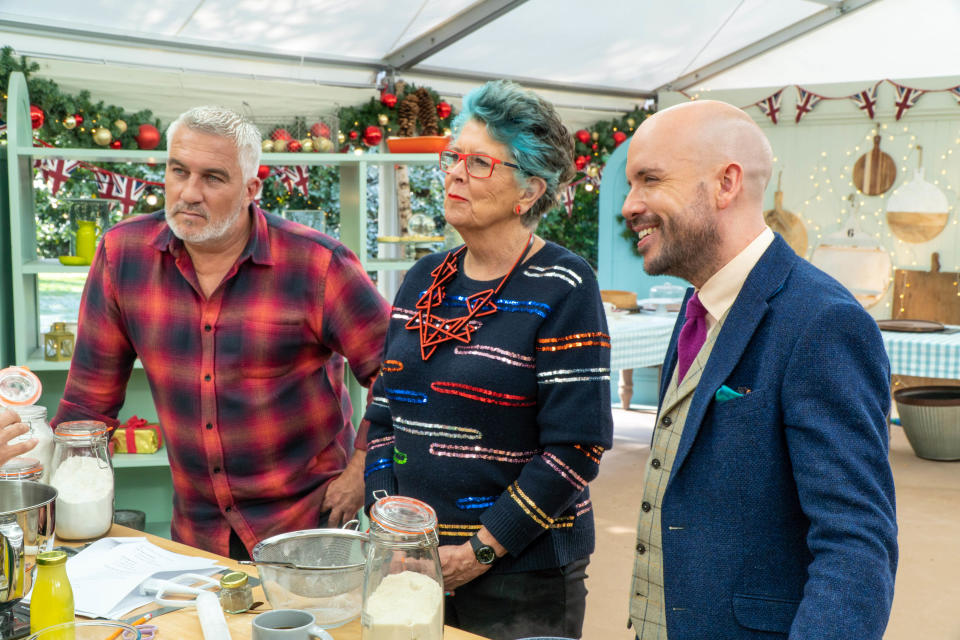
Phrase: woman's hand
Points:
(459, 565)
(10, 428)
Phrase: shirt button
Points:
(641, 549)
(216, 469)
(645, 506)
(655, 463)
(207, 377)
(228, 509)
(209, 425)
(667, 421)
(207, 328)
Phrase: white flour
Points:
(85, 501)
(405, 606)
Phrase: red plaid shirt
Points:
(252, 406)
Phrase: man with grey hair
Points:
(241, 321)
(767, 503)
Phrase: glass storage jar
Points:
(402, 582)
(35, 417)
(83, 475)
(235, 593)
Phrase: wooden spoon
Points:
(874, 171)
(785, 223)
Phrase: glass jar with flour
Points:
(83, 475)
(402, 582)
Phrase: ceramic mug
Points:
(287, 624)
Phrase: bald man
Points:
(767, 508)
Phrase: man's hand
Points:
(344, 495)
(10, 428)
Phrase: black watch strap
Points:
(483, 552)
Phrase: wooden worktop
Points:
(184, 625)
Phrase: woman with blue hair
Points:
(493, 406)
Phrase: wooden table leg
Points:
(626, 388)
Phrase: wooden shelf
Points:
(141, 460)
(51, 265)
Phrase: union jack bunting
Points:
(955, 92)
(770, 106)
(866, 100)
(806, 101)
(906, 98)
(127, 191)
(104, 184)
(566, 199)
(299, 177)
(57, 171)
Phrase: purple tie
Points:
(692, 335)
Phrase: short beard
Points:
(208, 233)
(688, 245)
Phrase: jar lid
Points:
(19, 387)
(51, 558)
(233, 580)
(81, 429)
(403, 515)
(20, 468)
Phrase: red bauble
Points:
(293, 146)
(78, 118)
(388, 100)
(618, 137)
(581, 162)
(36, 116)
(280, 134)
(116, 144)
(147, 137)
(583, 136)
(372, 136)
(594, 146)
(354, 135)
(263, 171)
(320, 130)
(444, 109)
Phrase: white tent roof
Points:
(590, 58)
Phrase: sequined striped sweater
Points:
(507, 430)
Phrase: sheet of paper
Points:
(105, 576)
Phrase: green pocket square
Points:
(725, 393)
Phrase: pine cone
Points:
(427, 113)
(407, 116)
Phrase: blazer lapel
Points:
(764, 281)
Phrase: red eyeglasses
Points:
(478, 165)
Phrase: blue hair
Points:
(530, 127)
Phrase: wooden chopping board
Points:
(874, 172)
(787, 224)
(927, 295)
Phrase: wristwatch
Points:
(484, 552)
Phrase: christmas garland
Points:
(60, 119)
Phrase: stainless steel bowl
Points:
(26, 529)
(329, 580)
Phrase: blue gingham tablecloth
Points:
(639, 340)
(928, 355)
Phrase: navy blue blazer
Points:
(779, 517)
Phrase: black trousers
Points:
(507, 606)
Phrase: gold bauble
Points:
(383, 119)
(341, 138)
(120, 126)
(306, 145)
(593, 171)
(279, 146)
(595, 136)
(631, 122)
(70, 122)
(447, 132)
(102, 136)
(266, 146)
(325, 145)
